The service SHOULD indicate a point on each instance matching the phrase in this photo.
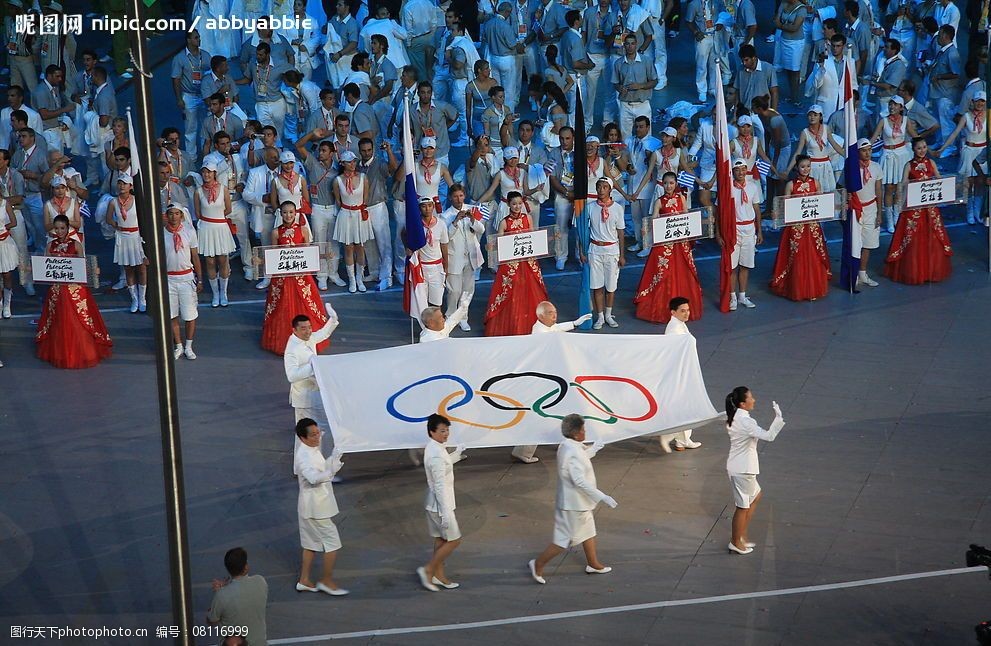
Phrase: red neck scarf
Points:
(349, 180)
(743, 192)
(60, 203)
(896, 124)
(593, 167)
(747, 143)
(513, 173)
(212, 191)
(427, 169)
(667, 152)
(817, 135)
(865, 170)
(428, 226)
(124, 206)
(291, 178)
(176, 238)
(978, 120)
(605, 208)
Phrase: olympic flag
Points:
(507, 391)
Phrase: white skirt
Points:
(351, 229)
(215, 239)
(8, 255)
(967, 156)
(789, 54)
(893, 164)
(129, 250)
(822, 173)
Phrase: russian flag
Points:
(414, 284)
(852, 242)
(724, 199)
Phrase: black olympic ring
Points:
(562, 386)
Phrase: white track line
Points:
(629, 608)
(483, 281)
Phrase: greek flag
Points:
(481, 212)
(763, 167)
(687, 180)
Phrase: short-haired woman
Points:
(441, 521)
(742, 464)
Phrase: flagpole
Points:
(150, 221)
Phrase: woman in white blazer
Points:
(577, 496)
(439, 503)
(742, 464)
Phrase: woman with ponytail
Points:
(742, 464)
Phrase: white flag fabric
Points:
(507, 391)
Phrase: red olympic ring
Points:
(652, 403)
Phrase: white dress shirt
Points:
(540, 328)
(439, 465)
(427, 335)
(303, 391)
(743, 436)
(576, 487)
(316, 492)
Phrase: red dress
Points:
(517, 289)
(670, 271)
(920, 248)
(801, 270)
(290, 296)
(71, 332)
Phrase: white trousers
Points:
(239, 216)
(378, 252)
(628, 112)
(593, 81)
(640, 209)
(681, 437)
(459, 283)
(506, 71)
(322, 222)
(706, 65)
(435, 277)
(193, 115)
(564, 211)
(20, 236)
(337, 72)
(272, 113)
(660, 52)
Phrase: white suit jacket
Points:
(439, 465)
(316, 493)
(393, 32)
(256, 194)
(576, 488)
(676, 327)
(303, 391)
(743, 436)
(463, 249)
(828, 89)
(540, 328)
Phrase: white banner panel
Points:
(675, 228)
(930, 192)
(808, 208)
(505, 391)
(300, 259)
(58, 269)
(522, 246)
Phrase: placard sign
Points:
(667, 229)
(930, 192)
(283, 261)
(809, 208)
(58, 269)
(522, 246)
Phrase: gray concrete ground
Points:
(881, 470)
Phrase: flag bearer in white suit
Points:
(304, 395)
(680, 313)
(464, 253)
(546, 322)
(439, 503)
(870, 223)
(316, 508)
(577, 496)
(742, 464)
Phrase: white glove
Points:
(331, 312)
(609, 500)
(777, 409)
(584, 318)
(598, 445)
(459, 451)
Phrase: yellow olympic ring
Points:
(517, 418)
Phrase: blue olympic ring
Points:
(390, 405)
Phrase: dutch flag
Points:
(414, 285)
(852, 242)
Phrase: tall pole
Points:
(151, 223)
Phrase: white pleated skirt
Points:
(822, 173)
(129, 249)
(215, 239)
(967, 156)
(893, 164)
(8, 255)
(351, 229)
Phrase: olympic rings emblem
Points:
(465, 394)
